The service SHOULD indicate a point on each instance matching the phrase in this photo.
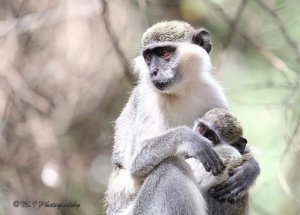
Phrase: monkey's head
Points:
(220, 126)
(174, 52)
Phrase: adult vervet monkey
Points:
(175, 87)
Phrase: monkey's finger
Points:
(214, 170)
(234, 194)
(203, 158)
(206, 166)
(219, 165)
(216, 163)
(210, 164)
(227, 190)
(216, 158)
(220, 190)
(238, 192)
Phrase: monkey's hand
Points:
(180, 141)
(238, 184)
(209, 158)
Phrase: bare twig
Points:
(115, 42)
(268, 85)
(232, 28)
(46, 18)
(6, 114)
(279, 64)
(293, 45)
(291, 138)
(282, 179)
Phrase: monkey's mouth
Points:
(161, 85)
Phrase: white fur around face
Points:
(150, 113)
(196, 92)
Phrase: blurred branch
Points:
(17, 12)
(46, 18)
(291, 138)
(115, 43)
(293, 45)
(268, 85)
(281, 176)
(279, 64)
(232, 28)
(19, 87)
(278, 104)
(6, 113)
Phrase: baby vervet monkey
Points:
(226, 135)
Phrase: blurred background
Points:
(65, 76)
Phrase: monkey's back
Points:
(170, 190)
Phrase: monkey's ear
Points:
(243, 140)
(201, 37)
(240, 145)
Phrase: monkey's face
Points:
(172, 65)
(160, 60)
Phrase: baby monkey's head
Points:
(220, 126)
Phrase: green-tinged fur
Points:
(175, 31)
(226, 123)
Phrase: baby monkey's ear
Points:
(201, 37)
(240, 144)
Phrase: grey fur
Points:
(239, 207)
(152, 125)
(228, 130)
(181, 141)
(174, 31)
(170, 189)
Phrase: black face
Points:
(205, 131)
(160, 59)
(160, 62)
(240, 145)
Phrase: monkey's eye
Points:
(211, 136)
(147, 56)
(202, 128)
(165, 54)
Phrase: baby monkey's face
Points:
(221, 127)
(203, 128)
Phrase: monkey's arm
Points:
(175, 142)
(239, 183)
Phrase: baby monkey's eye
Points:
(211, 138)
(202, 128)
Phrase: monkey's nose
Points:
(154, 73)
